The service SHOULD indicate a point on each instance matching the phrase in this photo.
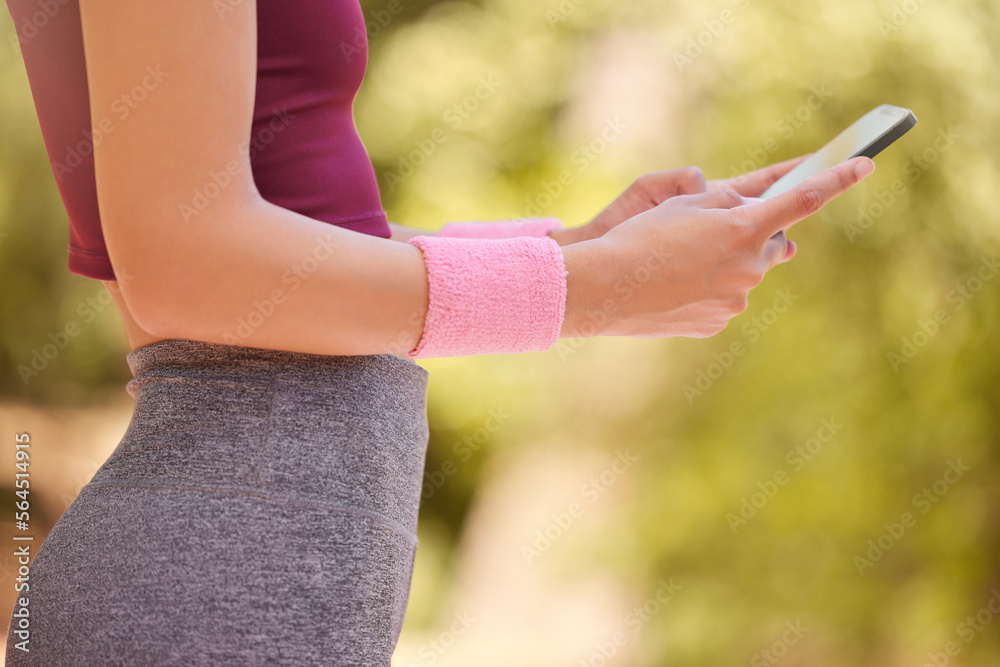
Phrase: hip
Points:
(337, 432)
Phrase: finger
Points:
(691, 181)
(715, 199)
(754, 183)
(792, 249)
(782, 211)
(662, 185)
(778, 249)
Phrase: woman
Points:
(261, 507)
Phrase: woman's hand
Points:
(653, 189)
(647, 191)
(684, 267)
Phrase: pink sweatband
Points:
(501, 229)
(491, 296)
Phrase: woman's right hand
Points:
(686, 266)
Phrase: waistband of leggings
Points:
(183, 352)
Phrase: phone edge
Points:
(891, 135)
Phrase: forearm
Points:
(313, 287)
(264, 276)
(236, 269)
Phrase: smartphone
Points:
(868, 136)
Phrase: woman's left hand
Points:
(650, 190)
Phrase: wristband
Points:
(491, 296)
(501, 229)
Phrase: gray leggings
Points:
(261, 509)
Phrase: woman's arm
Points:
(241, 264)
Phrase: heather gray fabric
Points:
(260, 509)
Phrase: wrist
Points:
(491, 296)
(590, 309)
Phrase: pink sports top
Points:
(305, 152)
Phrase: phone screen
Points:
(868, 136)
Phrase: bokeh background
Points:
(828, 496)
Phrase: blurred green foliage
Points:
(474, 111)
